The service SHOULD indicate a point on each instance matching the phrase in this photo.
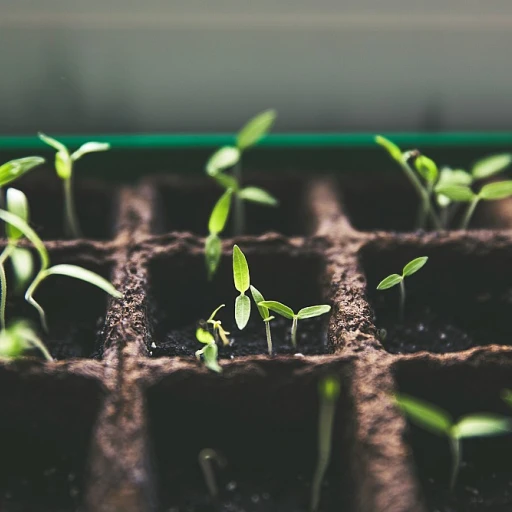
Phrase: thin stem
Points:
(206, 457)
(456, 450)
(71, 227)
(269, 336)
(30, 299)
(239, 205)
(469, 213)
(294, 331)
(402, 300)
(3, 283)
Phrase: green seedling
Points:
(242, 281)
(439, 422)
(302, 314)
(206, 458)
(464, 194)
(209, 352)
(392, 280)
(230, 157)
(218, 330)
(328, 391)
(265, 315)
(46, 270)
(19, 337)
(64, 162)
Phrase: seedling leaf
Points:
(278, 307)
(53, 142)
(392, 148)
(220, 213)
(242, 310)
(210, 355)
(258, 297)
(213, 253)
(487, 167)
(427, 168)
(499, 190)
(425, 415)
(63, 165)
(413, 266)
(13, 169)
(313, 311)
(240, 270)
(89, 147)
(255, 129)
(258, 195)
(389, 282)
(18, 205)
(223, 158)
(23, 267)
(482, 425)
(449, 176)
(458, 193)
(204, 336)
(215, 311)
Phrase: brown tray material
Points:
(116, 423)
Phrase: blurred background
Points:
(196, 65)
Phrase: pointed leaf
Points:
(449, 176)
(487, 167)
(482, 425)
(427, 168)
(23, 267)
(215, 311)
(389, 282)
(55, 144)
(258, 297)
(242, 310)
(278, 307)
(89, 147)
(240, 270)
(312, 311)
(210, 356)
(84, 275)
(413, 266)
(220, 213)
(13, 169)
(257, 195)
(213, 253)
(459, 193)
(17, 204)
(255, 129)
(499, 190)
(390, 147)
(204, 336)
(223, 158)
(424, 414)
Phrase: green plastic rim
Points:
(277, 140)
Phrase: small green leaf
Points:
(427, 168)
(499, 190)
(278, 307)
(213, 253)
(413, 266)
(449, 176)
(63, 165)
(220, 213)
(389, 282)
(459, 193)
(23, 267)
(487, 167)
(242, 310)
(312, 311)
(392, 149)
(13, 169)
(255, 129)
(17, 204)
(215, 311)
(55, 144)
(424, 414)
(84, 275)
(329, 388)
(226, 181)
(482, 425)
(210, 356)
(89, 147)
(223, 158)
(204, 336)
(240, 270)
(257, 195)
(258, 297)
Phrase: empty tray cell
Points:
(46, 425)
(265, 427)
(461, 298)
(181, 296)
(461, 387)
(94, 201)
(186, 205)
(75, 310)
(388, 202)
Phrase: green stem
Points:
(294, 331)
(269, 336)
(3, 283)
(239, 205)
(456, 450)
(72, 228)
(30, 299)
(402, 300)
(469, 213)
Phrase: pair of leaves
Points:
(489, 192)
(411, 268)
(242, 281)
(14, 169)
(287, 312)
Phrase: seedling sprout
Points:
(64, 162)
(209, 352)
(242, 281)
(218, 330)
(302, 314)
(439, 422)
(392, 280)
(265, 315)
(206, 458)
(328, 391)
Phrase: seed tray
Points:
(116, 423)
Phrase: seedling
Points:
(392, 280)
(64, 162)
(209, 352)
(439, 422)
(206, 458)
(18, 338)
(328, 391)
(302, 314)
(218, 330)
(265, 315)
(231, 156)
(242, 281)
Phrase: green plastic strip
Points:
(278, 140)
